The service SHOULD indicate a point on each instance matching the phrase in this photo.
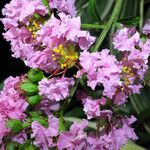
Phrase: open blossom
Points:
(3, 129)
(17, 11)
(43, 43)
(67, 28)
(146, 28)
(73, 139)
(55, 89)
(114, 139)
(48, 106)
(12, 104)
(118, 77)
(44, 136)
(125, 39)
(20, 138)
(92, 108)
(66, 6)
(101, 68)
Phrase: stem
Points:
(141, 13)
(92, 26)
(108, 25)
(64, 107)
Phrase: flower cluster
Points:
(12, 104)
(118, 77)
(42, 42)
(47, 36)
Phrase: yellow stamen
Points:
(67, 55)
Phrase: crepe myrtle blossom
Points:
(92, 108)
(55, 89)
(48, 106)
(118, 77)
(125, 39)
(12, 104)
(20, 11)
(134, 62)
(101, 68)
(75, 138)
(3, 130)
(66, 6)
(43, 137)
(146, 28)
(20, 138)
(114, 139)
(42, 42)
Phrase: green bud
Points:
(30, 147)
(27, 146)
(10, 146)
(34, 100)
(14, 125)
(35, 75)
(29, 88)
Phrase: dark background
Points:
(8, 65)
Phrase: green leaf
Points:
(1, 86)
(92, 9)
(46, 4)
(10, 146)
(113, 18)
(75, 112)
(73, 89)
(27, 146)
(144, 115)
(140, 104)
(14, 125)
(132, 146)
(147, 75)
(62, 126)
(130, 21)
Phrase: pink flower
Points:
(66, 6)
(92, 108)
(21, 11)
(66, 29)
(125, 39)
(101, 68)
(55, 89)
(20, 138)
(44, 136)
(3, 130)
(43, 60)
(47, 106)
(114, 139)
(12, 104)
(73, 139)
(146, 28)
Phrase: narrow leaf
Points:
(130, 21)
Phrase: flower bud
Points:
(14, 125)
(29, 88)
(34, 100)
(35, 75)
